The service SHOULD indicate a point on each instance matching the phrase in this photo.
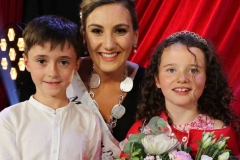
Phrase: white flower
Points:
(158, 144)
(205, 136)
(223, 156)
(205, 157)
(207, 142)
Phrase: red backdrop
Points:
(10, 12)
(216, 20)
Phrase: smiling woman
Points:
(106, 82)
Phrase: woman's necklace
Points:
(118, 110)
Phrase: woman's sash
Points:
(78, 94)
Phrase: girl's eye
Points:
(41, 61)
(121, 31)
(193, 70)
(96, 31)
(64, 63)
(171, 70)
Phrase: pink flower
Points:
(181, 155)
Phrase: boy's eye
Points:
(41, 61)
(171, 70)
(64, 63)
(121, 31)
(96, 31)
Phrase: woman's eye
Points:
(121, 31)
(96, 31)
(41, 61)
(171, 70)
(64, 63)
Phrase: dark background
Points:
(32, 9)
(66, 8)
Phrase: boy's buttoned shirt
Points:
(31, 130)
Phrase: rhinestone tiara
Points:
(192, 34)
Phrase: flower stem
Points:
(215, 153)
(199, 153)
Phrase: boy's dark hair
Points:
(53, 29)
(216, 97)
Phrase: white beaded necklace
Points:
(118, 110)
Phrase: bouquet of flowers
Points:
(158, 144)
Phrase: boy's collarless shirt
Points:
(31, 130)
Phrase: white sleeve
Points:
(95, 138)
(8, 148)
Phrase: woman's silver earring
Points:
(85, 52)
(134, 47)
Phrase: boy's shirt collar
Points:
(48, 109)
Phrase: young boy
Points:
(48, 126)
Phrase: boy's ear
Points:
(77, 65)
(157, 82)
(26, 62)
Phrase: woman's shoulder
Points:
(135, 71)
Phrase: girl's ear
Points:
(157, 82)
(26, 62)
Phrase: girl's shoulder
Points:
(219, 124)
(135, 128)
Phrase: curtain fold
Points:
(10, 12)
(215, 20)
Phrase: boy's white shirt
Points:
(77, 93)
(30, 130)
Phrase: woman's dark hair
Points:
(87, 6)
(216, 97)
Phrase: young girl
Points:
(184, 84)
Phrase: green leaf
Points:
(136, 137)
(188, 149)
(137, 152)
(199, 143)
(155, 123)
(127, 147)
(161, 123)
(135, 158)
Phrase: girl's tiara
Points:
(192, 34)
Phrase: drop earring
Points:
(134, 47)
(85, 52)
